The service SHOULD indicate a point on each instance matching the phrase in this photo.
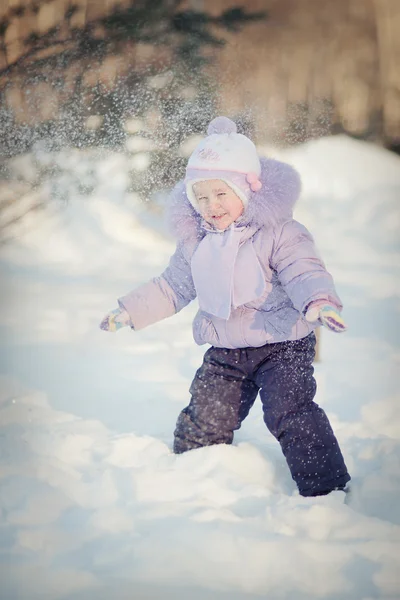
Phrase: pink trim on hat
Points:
(251, 178)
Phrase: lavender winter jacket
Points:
(294, 274)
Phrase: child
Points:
(262, 290)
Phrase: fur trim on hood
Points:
(273, 203)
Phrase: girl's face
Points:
(218, 204)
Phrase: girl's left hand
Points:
(328, 315)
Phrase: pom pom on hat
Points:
(221, 125)
(227, 155)
(255, 183)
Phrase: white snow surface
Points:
(94, 505)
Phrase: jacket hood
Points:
(273, 203)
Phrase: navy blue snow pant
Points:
(225, 388)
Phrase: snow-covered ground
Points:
(93, 504)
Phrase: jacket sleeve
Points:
(162, 296)
(300, 270)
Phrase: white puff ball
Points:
(221, 125)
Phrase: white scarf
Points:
(225, 273)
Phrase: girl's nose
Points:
(213, 203)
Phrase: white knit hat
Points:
(227, 155)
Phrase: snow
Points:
(94, 505)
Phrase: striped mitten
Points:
(327, 314)
(115, 320)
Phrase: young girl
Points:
(262, 290)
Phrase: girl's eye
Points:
(221, 193)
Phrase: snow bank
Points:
(94, 505)
(90, 224)
(89, 504)
(350, 202)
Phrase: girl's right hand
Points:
(115, 320)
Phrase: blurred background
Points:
(145, 77)
(101, 103)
